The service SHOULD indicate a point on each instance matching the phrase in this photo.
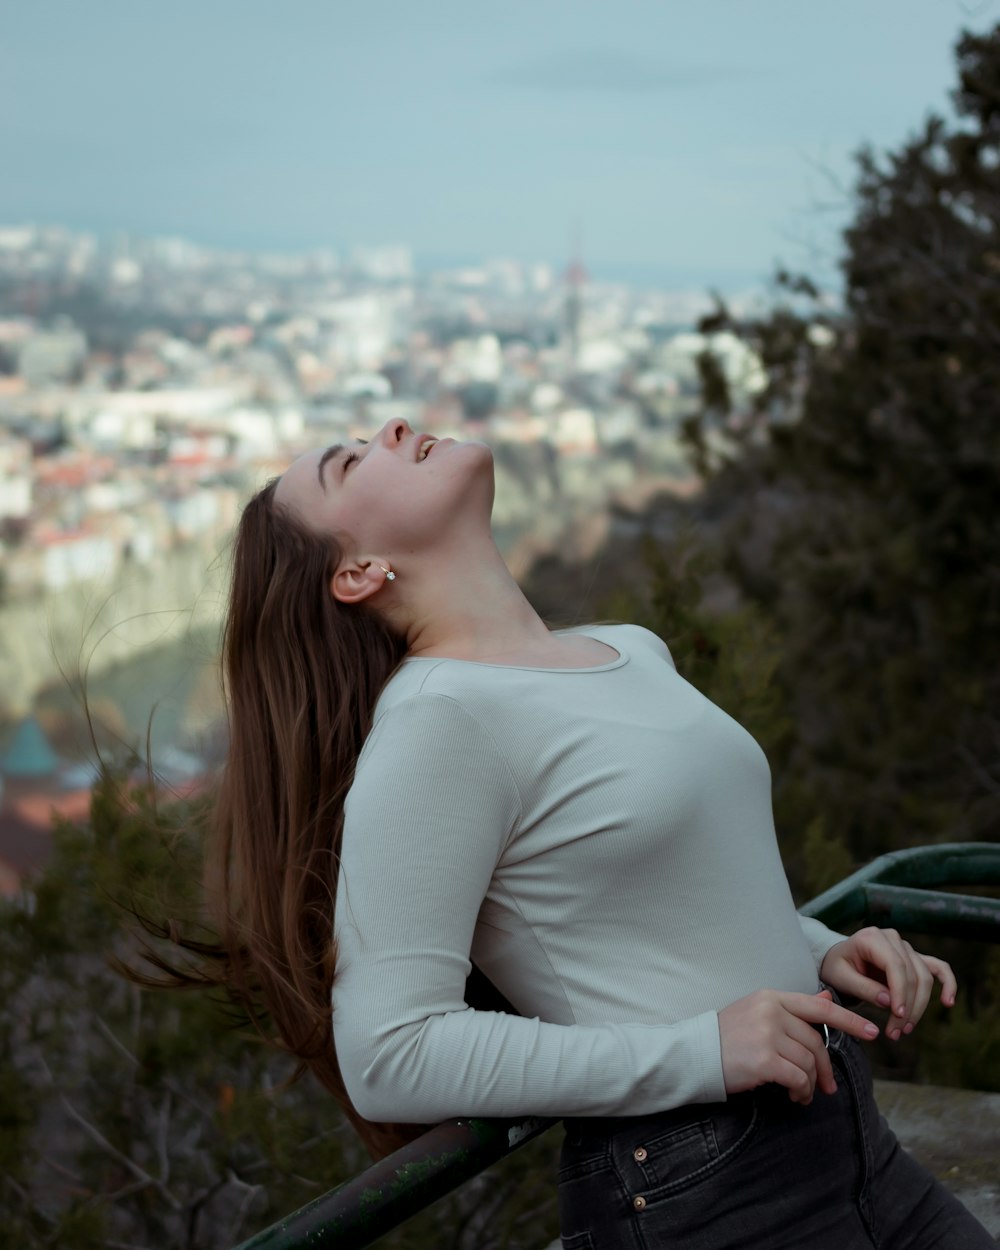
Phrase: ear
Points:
(356, 580)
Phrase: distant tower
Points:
(575, 277)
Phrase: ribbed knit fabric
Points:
(601, 841)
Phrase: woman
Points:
(414, 751)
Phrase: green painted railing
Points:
(897, 891)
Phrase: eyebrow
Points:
(334, 450)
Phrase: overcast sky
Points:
(693, 142)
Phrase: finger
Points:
(922, 993)
(784, 1072)
(818, 1010)
(859, 985)
(942, 972)
(804, 1035)
(802, 1058)
(900, 977)
(825, 1077)
(889, 954)
(930, 970)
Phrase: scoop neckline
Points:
(621, 658)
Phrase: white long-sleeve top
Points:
(600, 841)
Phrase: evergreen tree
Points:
(862, 490)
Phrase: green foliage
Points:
(730, 656)
(962, 1046)
(825, 858)
(865, 522)
(16, 1114)
(115, 1120)
(149, 1118)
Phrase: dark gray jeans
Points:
(758, 1172)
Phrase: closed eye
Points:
(351, 458)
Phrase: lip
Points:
(418, 446)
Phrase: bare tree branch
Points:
(177, 1091)
(163, 1129)
(99, 1139)
(63, 1171)
(980, 770)
(251, 1192)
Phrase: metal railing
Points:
(898, 890)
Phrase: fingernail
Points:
(883, 999)
(894, 1035)
(871, 1030)
(900, 1010)
(908, 1027)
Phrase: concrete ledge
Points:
(955, 1134)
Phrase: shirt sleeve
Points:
(431, 809)
(821, 939)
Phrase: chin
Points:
(481, 456)
(476, 460)
(474, 457)
(476, 449)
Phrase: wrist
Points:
(828, 962)
(829, 976)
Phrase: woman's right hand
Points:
(769, 1037)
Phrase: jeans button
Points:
(640, 1154)
(639, 1202)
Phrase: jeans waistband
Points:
(691, 1111)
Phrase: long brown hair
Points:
(302, 673)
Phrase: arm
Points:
(821, 939)
(431, 809)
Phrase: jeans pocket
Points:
(577, 1241)
(689, 1154)
(582, 1158)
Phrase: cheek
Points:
(376, 517)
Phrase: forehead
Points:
(300, 483)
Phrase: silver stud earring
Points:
(390, 576)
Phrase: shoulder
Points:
(633, 639)
(429, 758)
(438, 690)
(419, 725)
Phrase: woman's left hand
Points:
(878, 966)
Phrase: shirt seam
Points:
(420, 692)
(508, 894)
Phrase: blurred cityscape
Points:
(148, 385)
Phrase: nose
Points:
(393, 432)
